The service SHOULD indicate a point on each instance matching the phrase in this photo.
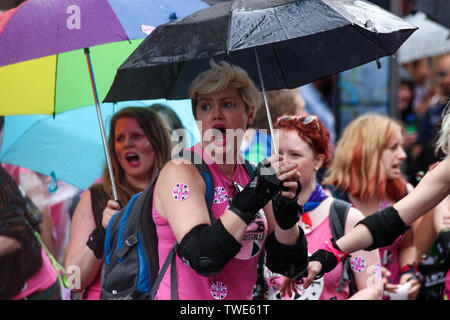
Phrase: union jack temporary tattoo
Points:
(180, 191)
(218, 290)
(220, 195)
(358, 264)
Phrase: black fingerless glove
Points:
(285, 210)
(257, 193)
(96, 242)
(326, 257)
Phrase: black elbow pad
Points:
(207, 249)
(385, 226)
(290, 261)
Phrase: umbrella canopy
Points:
(56, 75)
(296, 42)
(43, 67)
(430, 40)
(437, 10)
(69, 145)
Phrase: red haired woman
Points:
(366, 172)
(305, 142)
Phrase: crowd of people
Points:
(309, 221)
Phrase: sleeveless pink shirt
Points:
(315, 238)
(238, 277)
(321, 289)
(389, 255)
(42, 280)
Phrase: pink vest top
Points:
(238, 277)
(43, 279)
(389, 254)
(321, 289)
(315, 238)
(94, 289)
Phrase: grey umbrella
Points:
(437, 10)
(429, 40)
(280, 43)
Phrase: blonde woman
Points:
(219, 250)
(366, 172)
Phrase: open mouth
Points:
(396, 169)
(219, 137)
(132, 159)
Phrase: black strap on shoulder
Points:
(99, 199)
(338, 216)
(170, 260)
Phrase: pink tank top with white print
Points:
(321, 289)
(236, 280)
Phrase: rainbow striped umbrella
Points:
(42, 58)
(58, 55)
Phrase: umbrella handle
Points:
(272, 136)
(100, 121)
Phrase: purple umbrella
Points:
(39, 28)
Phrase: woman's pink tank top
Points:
(315, 238)
(321, 289)
(389, 254)
(238, 277)
(43, 279)
(93, 291)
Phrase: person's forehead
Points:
(443, 60)
(229, 92)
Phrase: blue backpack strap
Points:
(207, 177)
(204, 171)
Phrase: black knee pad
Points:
(207, 249)
(290, 261)
(385, 226)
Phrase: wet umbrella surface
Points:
(295, 42)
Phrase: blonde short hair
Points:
(219, 78)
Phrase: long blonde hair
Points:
(357, 168)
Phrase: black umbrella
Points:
(437, 10)
(284, 43)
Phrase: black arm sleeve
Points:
(385, 226)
